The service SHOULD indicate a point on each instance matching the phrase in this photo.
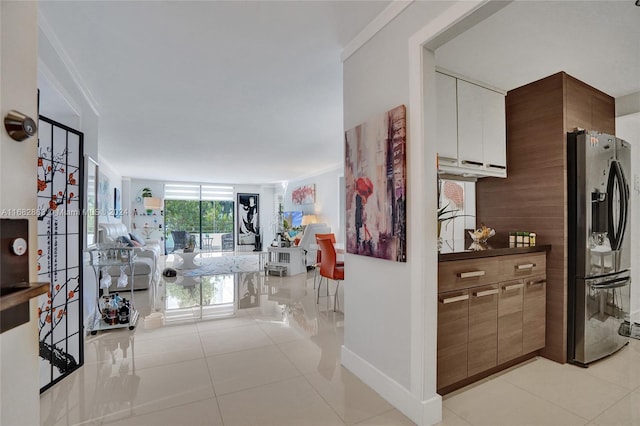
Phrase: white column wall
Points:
(390, 317)
(19, 364)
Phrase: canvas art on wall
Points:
(247, 218)
(375, 180)
(305, 194)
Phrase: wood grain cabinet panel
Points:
(510, 306)
(485, 325)
(483, 329)
(534, 197)
(453, 335)
(467, 273)
(534, 314)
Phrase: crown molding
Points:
(379, 22)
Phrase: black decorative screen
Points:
(60, 218)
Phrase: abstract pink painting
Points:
(305, 194)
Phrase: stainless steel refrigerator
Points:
(599, 260)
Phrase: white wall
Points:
(19, 363)
(327, 204)
(628, 128)
(389, 336)
(65, 99)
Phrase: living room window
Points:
(199, 215)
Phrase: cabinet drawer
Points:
(523, 266)
(483, 329)
(534, 314)
(460, 274)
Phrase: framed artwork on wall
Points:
(248, 219)
(375, 180)
(305, 194)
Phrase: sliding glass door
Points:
(200, 216)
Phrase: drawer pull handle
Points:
(512, 287)
(485, 292)
(471, 274)
(539, 282)
(472, 163)
(447, 160)
(525, 266)
(496, 166)
(454, 299)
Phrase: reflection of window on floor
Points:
(199, 214)
(191, 298)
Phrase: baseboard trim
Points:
(427, 412)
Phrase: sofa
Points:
(309, 238)
(146, 270)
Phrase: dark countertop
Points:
(460, 251)
(21, 293)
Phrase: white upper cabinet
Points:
(447, 119)
(471, 139)
(470, 125)
(494, 132)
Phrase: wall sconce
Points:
(152, 203)
(19, 126)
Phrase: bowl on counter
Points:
(481, 235)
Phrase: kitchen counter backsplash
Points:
(462, 249)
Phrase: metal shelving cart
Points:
(102, 259)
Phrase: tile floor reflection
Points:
(276, 361)
(269, 356)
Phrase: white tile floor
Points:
(279, 364)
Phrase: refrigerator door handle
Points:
(616, 231)
(616, 283)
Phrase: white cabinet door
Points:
(447, 119)
(494, 136)
(470, 125)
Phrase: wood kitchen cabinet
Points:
(453, 336)
(510, 306)
(539, 115)
(491, 311)
(483, 329)
(471, 127)
(534, 314)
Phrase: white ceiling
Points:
(251, 92)
(597, 42)
(224, 92)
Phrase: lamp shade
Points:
(152, 203)
(309, 218)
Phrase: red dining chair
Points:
(329, 268)
(332, 237)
